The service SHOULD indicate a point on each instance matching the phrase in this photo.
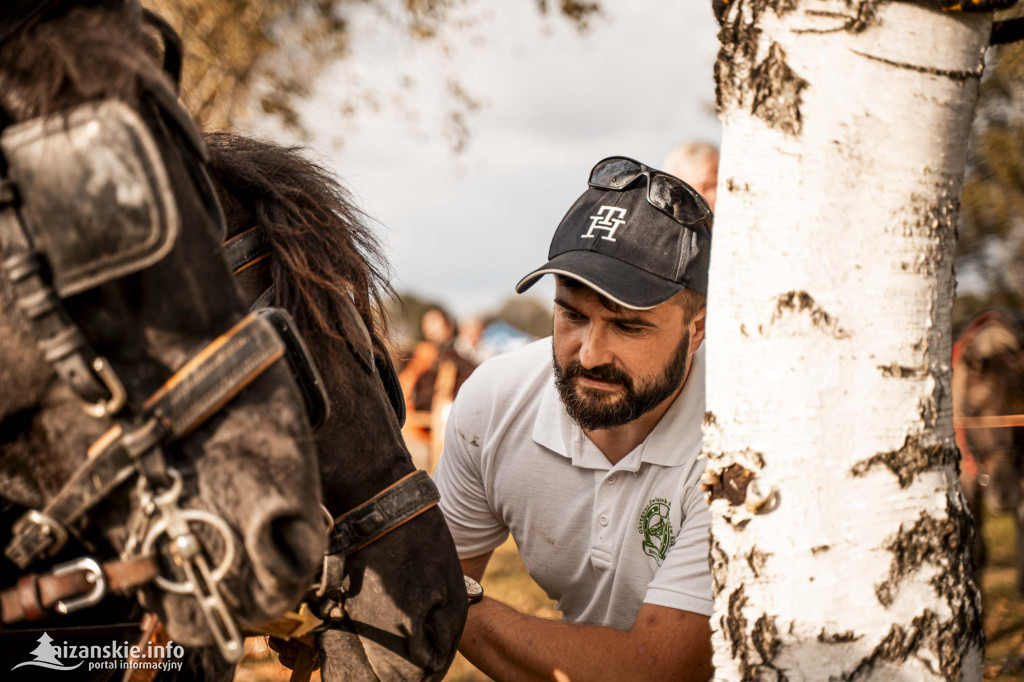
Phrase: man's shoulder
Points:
(504, 384)
(509, 371)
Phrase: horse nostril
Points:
(289, 545)
(441, 628)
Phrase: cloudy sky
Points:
(464, 228)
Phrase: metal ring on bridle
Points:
(185, 587)
(160, 527)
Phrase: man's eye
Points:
(570, 315)
(629, 329)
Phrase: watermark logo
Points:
(608, 218)
(113, 656)
(46, 656)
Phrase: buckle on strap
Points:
(94, 577)
(118, 396)
(50, 535)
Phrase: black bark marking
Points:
(769, 88)
(777, 91)
(734, 185)
(944, 543)
(820, 548)
(910, 460)
(898, 371)
(959, 76)
(736, 627)
(756, 560)
(710, 419)
(718, 561)
(933, 220)
(731, 485)
(838, 637)
(765, 638)
(801, 301)
(926, 632)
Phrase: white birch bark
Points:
(845, 133)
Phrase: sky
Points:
(462, 229)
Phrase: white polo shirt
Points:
(599, 539)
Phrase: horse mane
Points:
(997, 336)
(323, 247)
(76, 52)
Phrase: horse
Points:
(988, 418)
(146, 418)
(311, 251)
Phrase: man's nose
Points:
(595, 350)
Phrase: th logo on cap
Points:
(608, 218)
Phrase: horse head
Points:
(400, 585)
(988, 395)
(120, 231)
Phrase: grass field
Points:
(506, 579)
(1004, 608)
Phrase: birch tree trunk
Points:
(840, 536)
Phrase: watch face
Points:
(474, 591)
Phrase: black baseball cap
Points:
(623, 247)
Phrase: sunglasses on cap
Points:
(667, 193)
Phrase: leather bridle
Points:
(389, 509)
(136, 445)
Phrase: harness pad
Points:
(95, 196)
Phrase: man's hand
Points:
(663, 644)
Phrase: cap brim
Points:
(620, 282)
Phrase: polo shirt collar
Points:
(674, 440)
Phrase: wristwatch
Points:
(474, 590)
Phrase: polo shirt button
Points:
(611, 480)
(603, 520)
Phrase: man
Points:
(593, 467)
(696, 163)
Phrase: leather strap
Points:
(172, 45)
(57, 336)
(246, 249)
(394, 506)
(216, 375)
(185, 401)
(35, 595)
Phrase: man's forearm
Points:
(512, 647)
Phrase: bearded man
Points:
(593, 467)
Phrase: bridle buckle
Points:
(48, 528)
(118, 396)
(94, 577)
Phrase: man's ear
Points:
(696, 329)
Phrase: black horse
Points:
(115, 294)
(988, 411)
(312, 253)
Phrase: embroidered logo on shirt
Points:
(656, 529)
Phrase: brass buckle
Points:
(106, 408)
(94, 577)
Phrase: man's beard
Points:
(595, 409)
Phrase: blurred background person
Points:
(468, 340)
(695, 163)
(430, 380)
